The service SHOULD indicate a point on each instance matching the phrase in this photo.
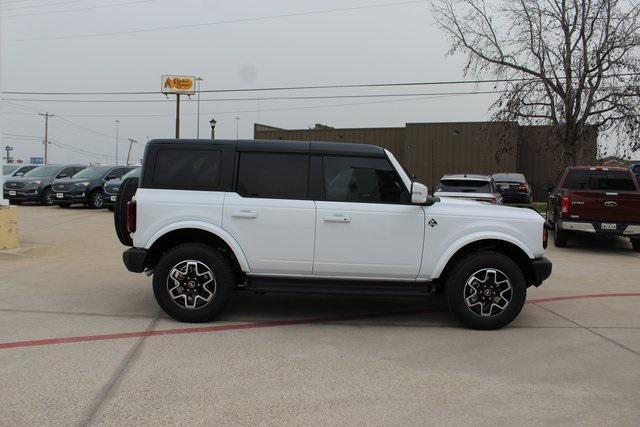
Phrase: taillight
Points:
(131, 216)
(565, 206)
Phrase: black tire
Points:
(64, 205)
(125, 194)
(15, 202)
(96, 199)
(560, 237)
(46, 197)
(209, 258)
(635, 243)
(476, 264)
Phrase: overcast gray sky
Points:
(396, 43)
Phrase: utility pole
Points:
(131, 142)
(46, 135)
(237, 124)
(198, 79)
(117, 123)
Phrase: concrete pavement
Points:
(568, 362)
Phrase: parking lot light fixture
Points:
(213, 122)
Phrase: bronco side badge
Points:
(432, 222)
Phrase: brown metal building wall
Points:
(539, 159)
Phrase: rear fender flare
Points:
(210, 228)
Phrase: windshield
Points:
(581, 179)
(464, 186)
(44, 171)
(93, 172)
(9, 169)
(134, 173)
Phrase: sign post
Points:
(178, 85)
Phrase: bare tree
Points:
(573, 64)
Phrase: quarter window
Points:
(365, 180)
(273, 175)
(187, 169)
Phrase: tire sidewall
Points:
(218, 264)
(92, 199)
(462, 272)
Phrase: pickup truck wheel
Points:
(559, 237)
(192, 282)
(636, 244)
(486, 290)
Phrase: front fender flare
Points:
(472, 238)
(213, 229)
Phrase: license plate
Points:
(608, 226)
(59, 195)
(113, 198)
(12, 193)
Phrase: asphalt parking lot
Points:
(82, 341)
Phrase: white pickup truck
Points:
(209, 218)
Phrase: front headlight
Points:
(83, 184)
(35, 182)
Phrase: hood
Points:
(70, 180)
(463, 207)
(25, 179)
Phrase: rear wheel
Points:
(560, 237)
(486, 290)
(192, 282)
(636, 244)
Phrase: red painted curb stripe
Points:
(270, 324)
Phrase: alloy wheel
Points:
(488, 292)
(191, 284)
(98, 199)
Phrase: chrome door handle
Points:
(337, 218)
(244, 213)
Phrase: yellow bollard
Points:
(8, 227)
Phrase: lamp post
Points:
(117, 122)
(198, 80)
(212, 123)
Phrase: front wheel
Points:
(486, 290)
(96, 199)
(193, 282)
(46, 198)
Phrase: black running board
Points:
(337, 286)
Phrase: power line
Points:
(222, 22)
(310, 87)
(102, 6)
(44, 4)
(273, 98)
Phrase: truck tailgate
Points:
(605, 206)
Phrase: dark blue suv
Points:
(85, 187)
(111, 188)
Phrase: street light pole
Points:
(117, 122)
(212, 123)
(237, 124)
(198, 79)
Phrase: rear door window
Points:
(273, 175)
(187, 169)
(582, 179)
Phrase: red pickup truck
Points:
(597, 200)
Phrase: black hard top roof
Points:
(281, 146)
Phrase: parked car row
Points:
(63, 185)
(496, 189)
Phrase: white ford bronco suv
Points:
(208, 218)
